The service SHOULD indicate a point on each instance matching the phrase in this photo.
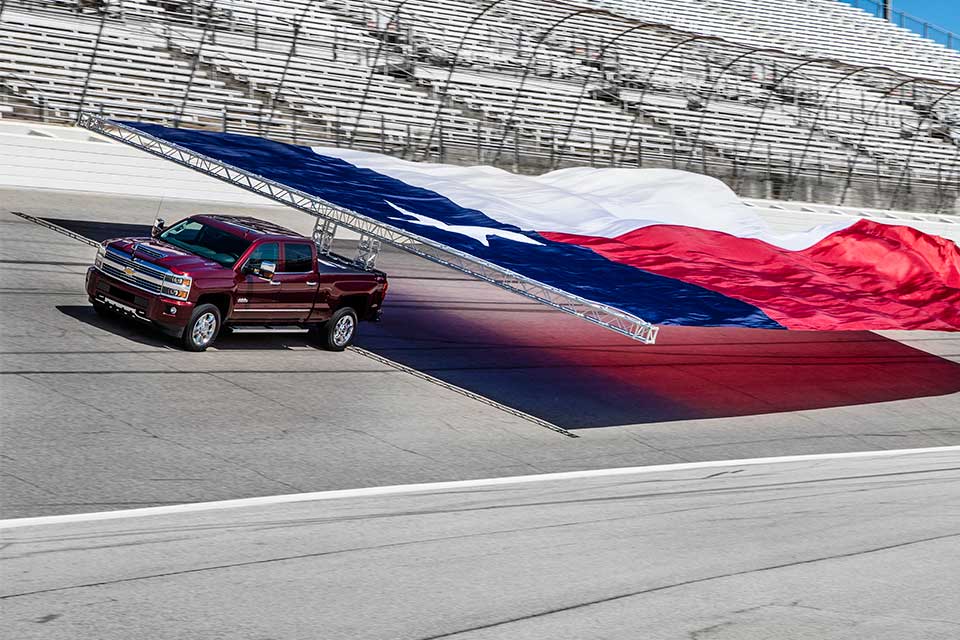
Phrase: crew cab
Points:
(210, 272)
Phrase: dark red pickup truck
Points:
(214, 271)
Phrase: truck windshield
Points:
(206, 241)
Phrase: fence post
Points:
(383, 134)
(593, 146)
(516, 149)
(553, 148)
(440, 147)
(223, 119)
(479, 142)
(336, 127)
(93, 60)
(639, 150)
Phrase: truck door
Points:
(259, 299)
(298, 279)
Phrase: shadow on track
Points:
(577, 375)
(143, 333)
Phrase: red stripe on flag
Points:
(867, 276)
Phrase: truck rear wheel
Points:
(338, 332)
(202, 329)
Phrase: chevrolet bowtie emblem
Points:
(128, 271)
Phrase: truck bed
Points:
(333, 263)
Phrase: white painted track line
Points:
(451, 485)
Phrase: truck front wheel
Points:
(338, 333)
(202, 329)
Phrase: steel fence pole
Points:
(442, 96)
(93, 59)
(855, 157)
(913, 145)
(193, 68)
(531, 62)
(766, 104)
(583, 88)
(816, 115)
(695, 141)
(373, 66)
(649, 79)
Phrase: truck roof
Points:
(249, 228)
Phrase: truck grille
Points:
(136, 272)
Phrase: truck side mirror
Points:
(158, 226)
(267, 269)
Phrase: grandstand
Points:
(812, 100)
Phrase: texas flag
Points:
(668, 246)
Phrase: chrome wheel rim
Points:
(343, 331)
(204, 328)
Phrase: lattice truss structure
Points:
(372, 232)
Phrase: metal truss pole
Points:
(603, 315)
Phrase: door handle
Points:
(311, 284)
(274, 283)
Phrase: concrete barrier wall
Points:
(66, 158)
(47, 157)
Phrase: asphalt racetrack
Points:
(817, 549)
(102, 414)
(460, 382)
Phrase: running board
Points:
(267, 329)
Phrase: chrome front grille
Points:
(133, 271)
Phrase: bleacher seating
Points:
(535, 83)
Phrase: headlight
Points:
(98, 261)
(177, 286)
(176, 293)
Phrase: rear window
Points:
(298, 257)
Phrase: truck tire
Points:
(338, 332)
(202, 329)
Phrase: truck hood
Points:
(166, 255)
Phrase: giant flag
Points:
(668, 246)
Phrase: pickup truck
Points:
(210, 272)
